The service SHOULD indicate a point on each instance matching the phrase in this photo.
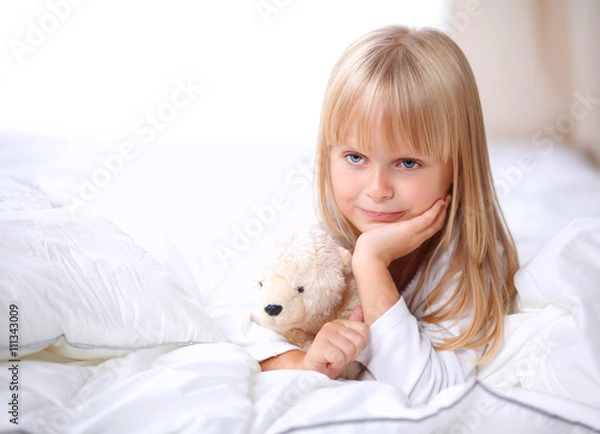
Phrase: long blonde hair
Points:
(422, 83)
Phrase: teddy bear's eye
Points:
(301, 289)
(260, 283)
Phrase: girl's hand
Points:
(338, 343)
(390, 241)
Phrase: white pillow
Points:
(80, 287)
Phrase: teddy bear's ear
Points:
(346, 259)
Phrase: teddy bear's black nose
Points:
(273, 309)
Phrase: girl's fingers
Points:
(355, 333)
(341, 351)
(342, 341)
(440, 217)
(357, 326)
(433, 219)
(357, 314)
(429, 217)
(352, 331)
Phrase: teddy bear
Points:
(308, 283)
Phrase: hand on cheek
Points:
(390, 241)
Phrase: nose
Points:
(273, 309)
(379, 187)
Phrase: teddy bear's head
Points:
(306, 284)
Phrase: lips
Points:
(383, 216)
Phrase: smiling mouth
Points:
(383, 216)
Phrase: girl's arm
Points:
(293, 359)
(401, 349)
(401, 353)
(371, 272)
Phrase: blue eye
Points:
(409, 164)
(354, 158)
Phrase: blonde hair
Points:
(417, 86)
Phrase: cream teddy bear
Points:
(308, 283)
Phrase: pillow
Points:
(80, 287)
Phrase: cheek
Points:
(342, 184)
(422, 193)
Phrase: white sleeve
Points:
(258, 341)
(400, 352)
(262, 343)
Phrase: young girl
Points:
(404, 181)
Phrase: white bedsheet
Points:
(550, 344)
(217, 388)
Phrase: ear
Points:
(346, 257)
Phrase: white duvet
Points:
(217, 388)
(545, 379)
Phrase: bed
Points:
(120, 304)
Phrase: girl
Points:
(404, 180)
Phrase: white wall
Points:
(257, 68)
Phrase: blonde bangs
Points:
(392, 95)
